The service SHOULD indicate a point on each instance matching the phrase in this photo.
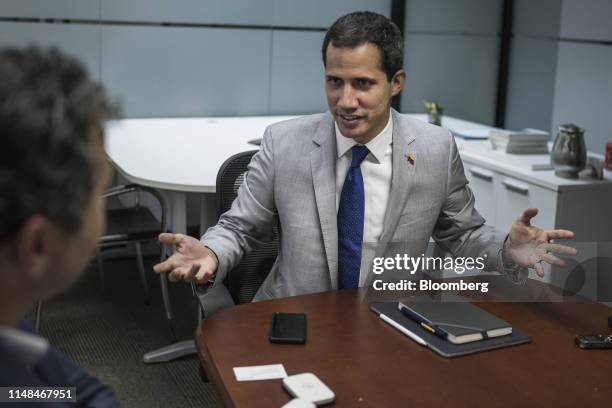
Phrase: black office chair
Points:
(131, 225)
(242, 282)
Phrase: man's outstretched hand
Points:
(529, 246)
(191, 261)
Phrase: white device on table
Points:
(299, 403)
(307, 386)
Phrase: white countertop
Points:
(481, 152)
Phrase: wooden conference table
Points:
(367, 363)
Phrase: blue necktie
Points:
(350, 222)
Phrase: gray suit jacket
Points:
(291, 180)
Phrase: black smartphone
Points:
(595, 341)
(288, 328)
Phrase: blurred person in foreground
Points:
(53, 172)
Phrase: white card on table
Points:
(262, 372)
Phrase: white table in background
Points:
(181, 155)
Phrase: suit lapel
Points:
(404, 158)
(323, 167)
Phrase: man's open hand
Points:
(529, 246)
(191, 260)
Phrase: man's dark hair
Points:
(361, 27)
(51, 118)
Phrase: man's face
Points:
(358, 91)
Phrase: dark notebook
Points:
(458, 322)
(441, 346)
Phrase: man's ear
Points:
(397, 82)
(32, 247)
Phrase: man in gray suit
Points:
(359, 173)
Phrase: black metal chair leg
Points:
(143, 275)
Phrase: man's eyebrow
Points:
(365, 78)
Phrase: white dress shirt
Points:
(376, 170)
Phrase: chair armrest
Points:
(212, 297)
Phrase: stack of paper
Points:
(526, 141)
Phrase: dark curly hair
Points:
(361, 27)
(51, 114)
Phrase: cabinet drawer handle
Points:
(516, 186)
(481, 173)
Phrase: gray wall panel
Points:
(322, 13)
(81, 41)
(531, 83)
(458, 72)
(466, 16)
(587, 19)
(163, 71)
(190, 11)
(583, 92)
(81, 9)
(297, 73)
(537, 18)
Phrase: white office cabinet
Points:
(503, 189)
(515, 196)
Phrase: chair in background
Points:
(243, 281)
(131, 225)
(136, 225)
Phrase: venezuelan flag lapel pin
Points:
(410, 158)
